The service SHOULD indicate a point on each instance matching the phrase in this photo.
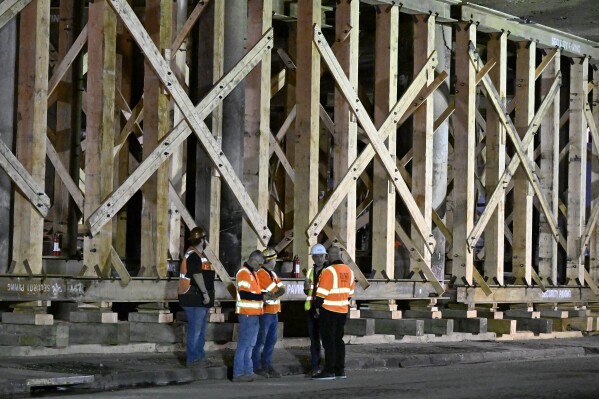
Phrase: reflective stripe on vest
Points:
(271, 306)
(246, 281)
(334, 292)
(308, 303)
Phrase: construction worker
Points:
(272, 289)
(248, 309)
(335, 287)
(196, 295)
(319, 256)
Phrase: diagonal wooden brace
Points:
(591, 283)
(519, 145)
(381, 151)
(193, 116)
(10, 8)
(23, 180)
(64, 175)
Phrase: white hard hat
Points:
(318, 249)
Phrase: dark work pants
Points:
(332, 325)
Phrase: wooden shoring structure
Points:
(329, 148)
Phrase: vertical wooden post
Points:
(100, 127)
(290, 103)
(577, 165)
(218, 67)
(257, 123)
(422, 140)
(307, 124)
(549, 174)
(495, 165)
(522, 244)
(62, 143)
(154, 213)
(345, 147)
(33, 53)
(594, 244)
(385, 92)
(464, 155)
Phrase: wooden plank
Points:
(373, 135)
(464, 158)
(257, 126)
(10, 8)
(523, 207)
(64, 175)
(132, 124)
(67, 61)
(495, 164)
(24, 181)
(115, 201)
(188, 25)
(284, 128)
(422, 136)
(282, 157)
(345, 140)
(363, 160)
(549, 171)
(119, 267)
(577, 167)
(307, 129)
(30, 148)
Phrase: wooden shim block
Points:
(354, 313)
(558, 314)
(459, 313)
(399, 327)
(360, 327)
(194, 116)
(521, 314)
(477, 325)
(501, 326)
(537, 326)
(380, 314)
(422, 314)
(38, 319)
(438, 326)
(216, 318)
(23, 180)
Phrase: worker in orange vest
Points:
(335, 287)
(272, 289)
(248, 308)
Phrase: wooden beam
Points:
(67, 61)
(10, 8)
(257, 126)
(64, 175)
(363, 160)
(549, 170)
(120, 196)
(373, 135)
(188, 25)
(119, 267)
(577, 167)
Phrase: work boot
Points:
(324, 376)
(272, 373)
(262, 373)
(340, 375)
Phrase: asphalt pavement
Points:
(35, 371)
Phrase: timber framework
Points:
(450, 150)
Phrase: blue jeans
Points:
(267, 338)
(248, 333)
(197, 318)
(314, 334)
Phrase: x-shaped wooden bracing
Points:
(519, 145)
(194, 116)
(376, 146)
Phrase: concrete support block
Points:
(143, 317)
(501, 326)
(359, 327)
(438, 326)
(521, 314)
(56, 335)
(38, 319)
(220, 332)
(157, 332)
(99, 333)
(380, 314)
(476, 325)
(579, 313)
(422, 314)
(399, 327)
(537, 326)
(459, 313)
(93, 316)
(573, 324)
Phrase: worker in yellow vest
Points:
(335, 287)
(319, 257)
(248, 309)
(272, 289)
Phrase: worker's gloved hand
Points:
(206, 299)
(269, 295)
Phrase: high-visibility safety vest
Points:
(248, 282)
(336, 286)
(308, 303)
(270, 282)
(184, 278)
